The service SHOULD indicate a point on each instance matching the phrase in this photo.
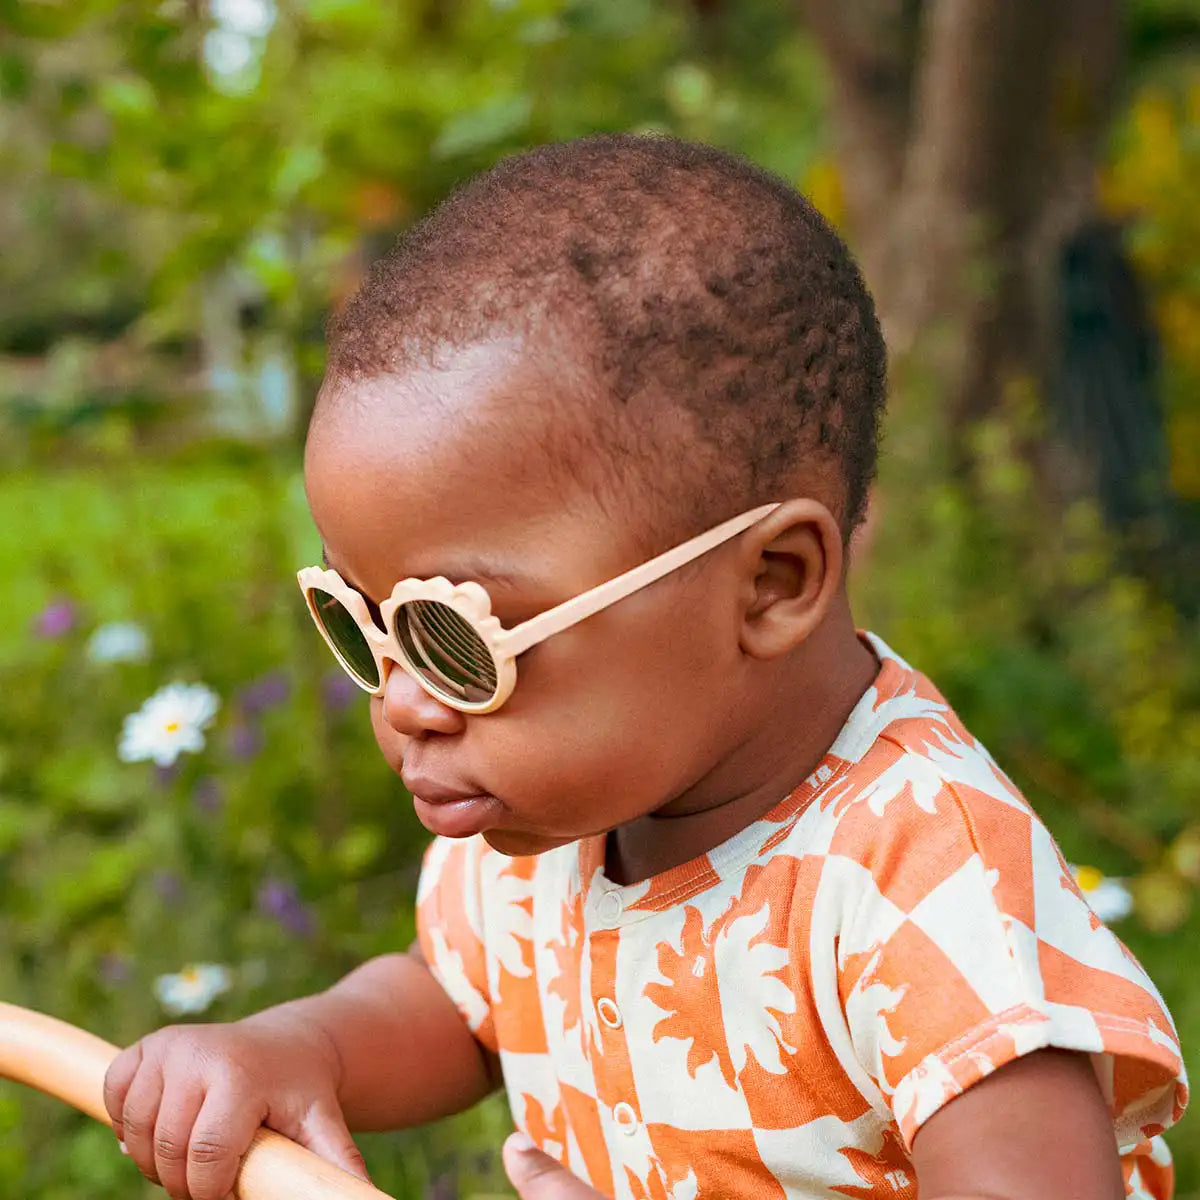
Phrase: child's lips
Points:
(462, 816)
(430, 789)
(449, 811)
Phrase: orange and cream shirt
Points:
(780, 1016)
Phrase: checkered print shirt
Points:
(779, 1016)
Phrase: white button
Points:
(609, 908)
(610, 1014)
(625, 1118)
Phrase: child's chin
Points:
(517, 844)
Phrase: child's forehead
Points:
(450, 469)
(504, 400)
(506, 571)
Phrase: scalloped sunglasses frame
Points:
(472, 604)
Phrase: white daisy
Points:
(169, 724)
(253, 18)
(193, 989)
(227, 52)
(118, 641)
(1108, 898)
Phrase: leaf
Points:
(19, 820)
(689, 89)
(483, 127)
(87, 877)
(14, 76)
(358, 848)
(127, 95)
(300, 167)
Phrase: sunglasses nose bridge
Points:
(389, 663)
(387, 654)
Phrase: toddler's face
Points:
(441, 472)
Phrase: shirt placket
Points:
(621, 1118)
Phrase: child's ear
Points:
(793, 570)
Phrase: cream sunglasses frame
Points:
(471, 602)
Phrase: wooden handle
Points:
(69, 1064)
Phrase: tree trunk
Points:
(966, 133)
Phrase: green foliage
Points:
(1083, 684)
(157, 173)
(1151, 183)
(285, 848)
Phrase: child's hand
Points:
(187, 1100)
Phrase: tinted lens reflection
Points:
(346, 636)
(443, 647)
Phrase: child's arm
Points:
(405, 1053)
(385, 1047)
(1037, 1129)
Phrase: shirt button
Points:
(625, 1118)
(610, 1014)
(609, 908)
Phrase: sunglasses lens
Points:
(347, 638)
(443, 648)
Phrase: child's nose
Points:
(409, 709)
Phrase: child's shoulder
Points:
(910, 805)
(904, 758)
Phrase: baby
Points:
(723, 893)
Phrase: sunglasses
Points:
(444, 635)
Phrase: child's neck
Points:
(779, 754)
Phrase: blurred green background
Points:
(189, 187)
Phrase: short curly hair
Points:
(685, 278)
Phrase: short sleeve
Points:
(965, 944)
(450, 930)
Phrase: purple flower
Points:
(279, 899)
(168, 886)
(444, 1187)
(338, 690)
(268, 691)
(113, 969)
(56, 620)
(244, 742)
(166, 775)
(207, 795)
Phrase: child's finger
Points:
(323, 1131)
(172, 1132)
(117, 1079)
(221, 1135)
(140, 1114)
(537, 1176)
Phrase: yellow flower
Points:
(1108, 898)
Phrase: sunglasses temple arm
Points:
(515, 641)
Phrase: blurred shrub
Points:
(154, 176)
(1082, 682)
(1151, 182)
(283, 849)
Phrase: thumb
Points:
(323, 1131)
(537, 1176)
